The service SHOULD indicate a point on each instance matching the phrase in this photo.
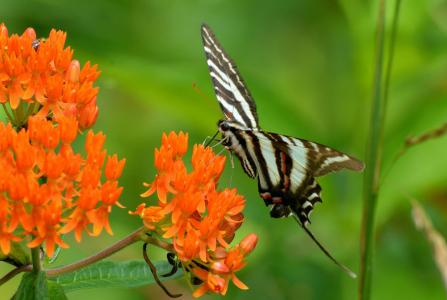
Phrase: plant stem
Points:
(8, 114)
(13, 273)
(128, 240)
(373, 159)
(137, 235)
(390, 56)
(160, 244)
(35, 256)
(374, 148)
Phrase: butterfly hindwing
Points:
(325, 159)
(234, 98)
(287, 168)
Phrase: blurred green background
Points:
(309, 66)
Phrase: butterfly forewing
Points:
(234, 98)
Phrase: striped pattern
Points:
(234, 98)
(286, 167)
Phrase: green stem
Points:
(374, 149)
(30, 109)
(20, 114)
(372, 172)
(8, 114)
(390, 55)
(35, 256)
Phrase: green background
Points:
(309, 66)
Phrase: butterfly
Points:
(286, 167)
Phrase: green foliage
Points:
(17, 256)
(107, 274)
(33, 287)
(55, 291)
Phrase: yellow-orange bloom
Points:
(46, 189)
(199, 218)
(43, 78)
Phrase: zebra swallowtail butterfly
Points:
(286, 167)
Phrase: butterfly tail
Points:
(326, 252)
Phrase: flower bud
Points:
(88, 115)
(219, 267)
(3, 31)
(29, 32)
(248, 243)
(73, 71)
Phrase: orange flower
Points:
(200, 219)
(150, 215)
(168, 163)
(224, 266)
(45, 79)
(47, 190)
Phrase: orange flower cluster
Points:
(46, 189)
(200, 219)
(40, 76)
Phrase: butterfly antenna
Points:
(200, 93)
(310, 234)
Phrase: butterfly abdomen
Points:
(284, 204)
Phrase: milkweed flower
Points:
(40, 76)
(47, 189)
(199, 218)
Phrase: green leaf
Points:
(33, 287)
(133, 273)
(17, 256)
(56, 291)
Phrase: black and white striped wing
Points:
(234, 98)
(287, 168)
(320, 159)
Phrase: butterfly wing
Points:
(234, 98)
(321, 159)
(287, 168)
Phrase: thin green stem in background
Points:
(389, 65)
(374, 148)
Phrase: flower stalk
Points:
(35, 257)
(121, 244)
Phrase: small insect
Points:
(35, 44)
(286, 167)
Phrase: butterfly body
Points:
(286, 167)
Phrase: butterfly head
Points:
(228, 125)
(228, 129)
